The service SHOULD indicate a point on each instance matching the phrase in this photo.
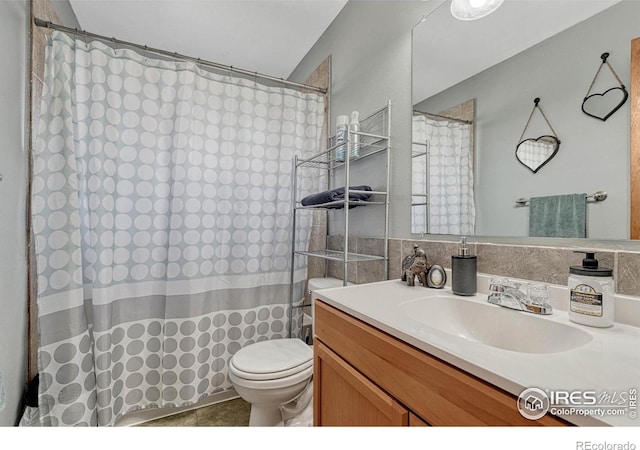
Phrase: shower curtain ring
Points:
(146, 49)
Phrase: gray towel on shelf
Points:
(335, 195)
(558, 216)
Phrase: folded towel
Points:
(558, 216)
(335, 195)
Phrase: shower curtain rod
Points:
(468, 122)
(174, 55)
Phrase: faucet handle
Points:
(497, 286)
(497, 290)
(538, 293)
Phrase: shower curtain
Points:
(162, 221)
(449, 180)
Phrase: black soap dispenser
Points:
(464, 271)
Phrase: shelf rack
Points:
(374, 139)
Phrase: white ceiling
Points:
(447, 51)
(267, 36)
(272, 36)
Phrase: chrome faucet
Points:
(528, 297)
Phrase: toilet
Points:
(269, 374)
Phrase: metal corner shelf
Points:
(374, 138)
(370, 145)
(339, 204)
(337, 255)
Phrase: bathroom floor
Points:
(231, 413)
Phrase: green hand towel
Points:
(558, 216)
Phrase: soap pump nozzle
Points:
(590, 266)
(590, 261)
(463, 250)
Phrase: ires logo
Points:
(533, 403)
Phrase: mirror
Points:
(535, 153)
(602, 105)
(529, 49)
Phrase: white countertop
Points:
(608, 363)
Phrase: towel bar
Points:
(596, 197)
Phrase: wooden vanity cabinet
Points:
(346, 397)
(365, 377)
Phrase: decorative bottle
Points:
(591, 291)
(464, 271)
(342, 123)
(354, 128)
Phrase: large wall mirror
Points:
(474, 84)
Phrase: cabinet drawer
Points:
(344, 397)
(436, 391)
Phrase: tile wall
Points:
(538, 263)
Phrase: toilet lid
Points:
(268, 357)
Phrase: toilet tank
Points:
(316, 284)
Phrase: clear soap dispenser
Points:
(354, 127)
(591, 291)
(464, 271)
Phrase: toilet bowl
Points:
(269, 374)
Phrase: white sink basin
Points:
(493, 325)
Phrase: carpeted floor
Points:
(231, 413)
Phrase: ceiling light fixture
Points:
(473, 9)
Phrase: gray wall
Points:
(13, 188)
(593, 155)
(66, 13)
(370, 47)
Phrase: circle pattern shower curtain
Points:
(162, 221)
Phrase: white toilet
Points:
(272, 373)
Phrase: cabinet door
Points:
(415, 421)
(345, 397)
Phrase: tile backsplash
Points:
(537, 263)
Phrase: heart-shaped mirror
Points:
(602, 106)
(535, 153)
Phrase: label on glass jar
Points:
(586, 300)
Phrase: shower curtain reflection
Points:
(442, 177)
(161, 215)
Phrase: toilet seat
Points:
(271, 360)
(275, 383)
(269, 376)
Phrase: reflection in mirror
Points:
(602, 105)
(523, 50)
(535, 153)
(442, 174)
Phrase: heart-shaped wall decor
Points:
(604, 105)
(535, 153)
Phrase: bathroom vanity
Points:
(388, 354)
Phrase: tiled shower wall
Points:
(537, 263)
